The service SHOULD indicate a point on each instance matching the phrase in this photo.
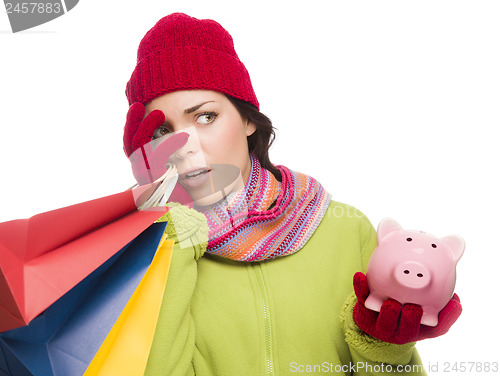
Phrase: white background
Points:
(392, 105)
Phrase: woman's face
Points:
(218, 140)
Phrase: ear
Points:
(385, 227)
(250, 128)
(456, 244)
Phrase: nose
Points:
(191, 147)
(412, 274)
(185, 151)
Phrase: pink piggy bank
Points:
(413, 267)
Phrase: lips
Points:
(194, 173)
(195, 177)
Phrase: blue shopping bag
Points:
(64, 338)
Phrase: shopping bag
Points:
(126, 349)
(64, 339)
(43, 257)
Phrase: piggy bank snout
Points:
(412, 275)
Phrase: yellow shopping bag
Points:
(125, 350)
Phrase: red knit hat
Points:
(184, 53)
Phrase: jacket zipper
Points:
(267, 320)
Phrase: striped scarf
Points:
(267, 218)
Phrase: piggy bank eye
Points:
(409, 239)
(434, 245)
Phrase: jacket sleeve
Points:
(174, 340)
(369, 355)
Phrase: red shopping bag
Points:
(43, 257)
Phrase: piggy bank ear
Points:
(456, 244)
(386, 226)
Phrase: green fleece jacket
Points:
(287, 316)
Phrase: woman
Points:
(269, 289)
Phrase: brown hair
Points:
(263, 137)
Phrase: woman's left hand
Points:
(397, 323)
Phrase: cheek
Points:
(223, 144)
(231, 137)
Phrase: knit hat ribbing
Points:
(183, 53)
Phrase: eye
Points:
(434, 245)
(206, 117)
(409, 239)
(160, 132)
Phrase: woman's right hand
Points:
(148, 164)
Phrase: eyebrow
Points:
(194, 108)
